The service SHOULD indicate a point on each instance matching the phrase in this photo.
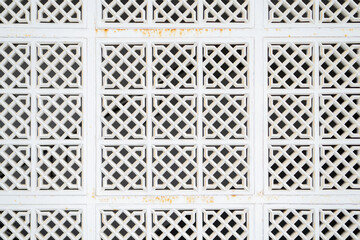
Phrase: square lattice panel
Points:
(172, 119)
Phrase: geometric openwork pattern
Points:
(15, 224)
(117, 11)
(290, 65)
(59, 224)
(174, 116)
(174, 65)
(339, 65)
(174, 168)
(290, 11)
(15, 11)
(59, 65)
(123, 66)
(59, 11)
(179, 119)
(290, 116)
(122, 224)
(226, 167)
(226, 116)
(59, 116)
(340, 167)
(313, 115)
(174, 224)
(180, 11)
(226, 66)
(340, 116)
(334, 11)
(339, 224)
(291, 167)
(123, 168)
(291, 224)
(59, 167)
(14, 65)
(226, 11)
(123, 116)
(14, 167)
(14, 116)
(165, 12)
(225, 224)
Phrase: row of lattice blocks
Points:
(174, 116)
(56, 64)
(305, 222)
(290, 65)
(179, 12)
(46, 11)
(58, 116)
(225, 116)
(132, 169)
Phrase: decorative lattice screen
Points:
(174, 119)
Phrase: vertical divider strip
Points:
(149, 137)
(33, 124)
(200, 138)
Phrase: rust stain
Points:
(105, 31)
(161, 199)
(233, 195)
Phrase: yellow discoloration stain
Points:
(269, 198)
(190, 199)
(93, 193)
(176, 32)
(206, 199)
(346, 35)
(161, 199)
(260, 194)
